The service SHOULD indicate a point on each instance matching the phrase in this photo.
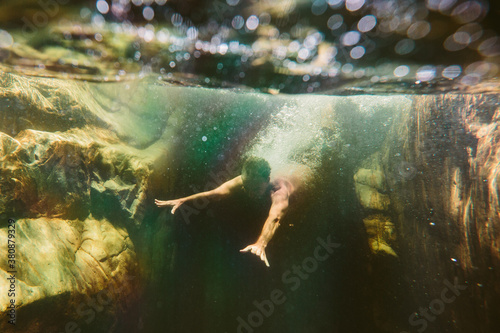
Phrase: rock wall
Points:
(440, 164)
(76, 190)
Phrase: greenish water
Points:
(212, 284)
(106, 106)
(106, 150)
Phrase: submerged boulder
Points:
(370, 198)
(77, 187)
(441, 165)
(59, 263)
(369, 183)
(381, 234)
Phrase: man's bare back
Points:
(255, 180)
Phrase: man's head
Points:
(255, 175)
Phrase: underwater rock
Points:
(43, 104)
(368, 184)
(46, 175)
(381, 234)
(7, 145)
(373, 178)
(370, 198)
(53, 174)
(61, 262)
(379, 228)
(77, 188)
(446, 214)
(82, 51)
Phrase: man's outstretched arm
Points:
(216, 194)
(276, 213)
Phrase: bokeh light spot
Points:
(350, 38)
(148, 13)
(471, 79)
(452, 45)
(404, 46)
(401, 71)
(335, 3)
(176, 19)
(252, 22)
(367, 23)
(452, 72)
(426, 73)
(474, 30)
(319, 7)
(238, 22)
(6, 39)
(468, 11)
(354, 5)
(303, 54)
(357, 52)
(102, 6)
(335, 21)
(490, 47)
(419, 30)
(264, 18)
(192, 33)
(462, 38)
(347, 68)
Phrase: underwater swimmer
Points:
(255, 180)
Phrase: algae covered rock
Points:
(61, 262)
(369, 183)
(381, 234)
(76, 188)
(372, 178)
(441, 165)
(370, 198)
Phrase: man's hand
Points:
(259, 250)
(173, 203)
